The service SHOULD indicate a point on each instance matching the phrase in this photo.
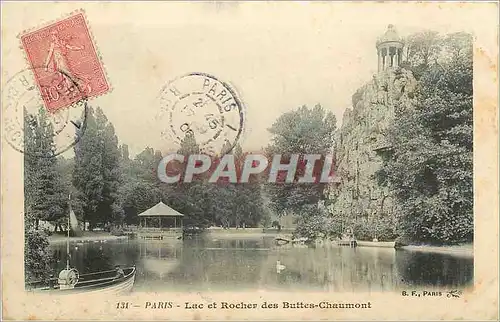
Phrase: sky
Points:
(277, 56)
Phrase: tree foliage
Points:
(45, 196)
(97, 173)
(37, 258)
(139, 188)
(243, 204)
(421, 51)
(302, 131)
(45, 193)
(430, 168)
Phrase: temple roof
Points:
(390, 35)
(160, 210)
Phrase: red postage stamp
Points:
(63, 56)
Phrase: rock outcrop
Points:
(361, 143)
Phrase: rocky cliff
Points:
(361, 142)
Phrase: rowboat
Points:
(112, 282)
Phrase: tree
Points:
(233, 204)
(65, 168)
(30, 166)
(430, 167)
(146, 163)
(249, 204)
(139, 197)
(44, 193)
(110, 208)
(97, 172)
(87, 176)
(190, 198)
(302, 131)
(139, 187)
(46, 198)
(421, 51)
(224, 211)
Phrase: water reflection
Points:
(218, 264)
(94, 256)
(418, 268)
(157, 259)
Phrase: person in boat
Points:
(119, 272)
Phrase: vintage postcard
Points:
(249, 160)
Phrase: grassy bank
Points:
(87, 236)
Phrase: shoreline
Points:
(465, 250)
(217, 232)
(87, 237)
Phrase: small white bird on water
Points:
(279, 267)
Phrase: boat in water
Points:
(69, 281)
(113, 282)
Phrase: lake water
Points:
(244, 264)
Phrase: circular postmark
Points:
(205, 107)
(24, 101)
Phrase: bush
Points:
(402, 241)
(37, 257)
(362, 230)
(381, 228)
(312, 227)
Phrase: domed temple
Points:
(389, 49)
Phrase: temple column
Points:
(391, 56)
(384, 58)
(379, 54)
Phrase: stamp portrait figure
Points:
(57, 58)
(63, 55)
